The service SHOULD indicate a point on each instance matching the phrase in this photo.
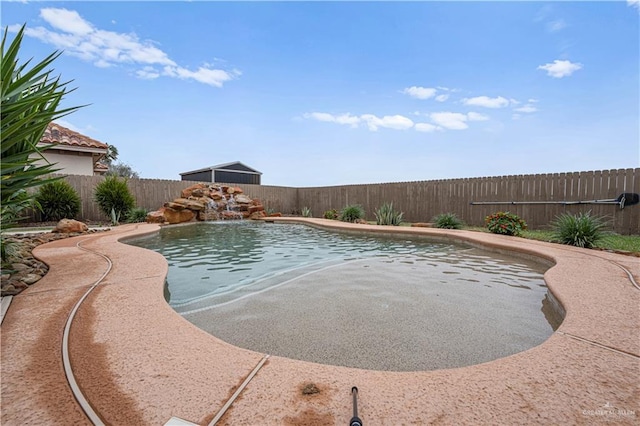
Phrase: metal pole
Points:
(355, 420)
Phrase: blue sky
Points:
(316, 94)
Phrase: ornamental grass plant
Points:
(581, 230)
(352, 213)
(447, 221)
(58, 200)
(114, 198)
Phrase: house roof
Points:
(68, 139)
(225, 167)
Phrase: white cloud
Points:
(347, 118)
(78, 37)
(397, 122)
(439, 120)
(442, 98)
(556, 25)
(559, 69)
(528, 108)
(212, 77)
(321, 116)
(147, 73)
(516, 116)
(65, 20)
(373, 122)
(450, 120)
(634, 3)
(426, 127)
(420, 92)
(487, 102)
(474, 116)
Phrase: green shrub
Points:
(306, 212)
(137, 214)
(352, 213)
(447, 221)
(113, 197)
(386, 215)
(505, 223)
(58, 200)
(331, 214)
(582, 230)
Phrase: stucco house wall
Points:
(70, 163)
(73, 153)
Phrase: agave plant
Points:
(306, 212)
(386, 215)
(30, 101)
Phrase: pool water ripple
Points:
(458, 304)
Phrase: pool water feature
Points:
(383, 303)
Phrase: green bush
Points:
(58, 200)
(114, 198)
(306, 212)
(137, 215)
(447, 221)
(352, 213)
(582, 230)
(331, 214)
(386, 215)
(505, 223)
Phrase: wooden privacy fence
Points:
(421, 201)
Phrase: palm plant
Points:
(30, 101)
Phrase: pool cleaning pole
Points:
(355, 420)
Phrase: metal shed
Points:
(234, 172)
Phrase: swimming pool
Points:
(384, 303)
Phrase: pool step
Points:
(253, 287)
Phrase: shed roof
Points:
(225, 167)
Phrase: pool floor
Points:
(383, 313)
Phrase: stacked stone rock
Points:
(208, 202)
(23, 269)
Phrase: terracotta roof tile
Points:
(57, 134)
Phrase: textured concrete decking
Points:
(138, 362)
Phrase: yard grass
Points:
(612, 241)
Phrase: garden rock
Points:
(70, 225)
(208, 202)
(25, 270)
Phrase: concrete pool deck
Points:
(137, 362)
